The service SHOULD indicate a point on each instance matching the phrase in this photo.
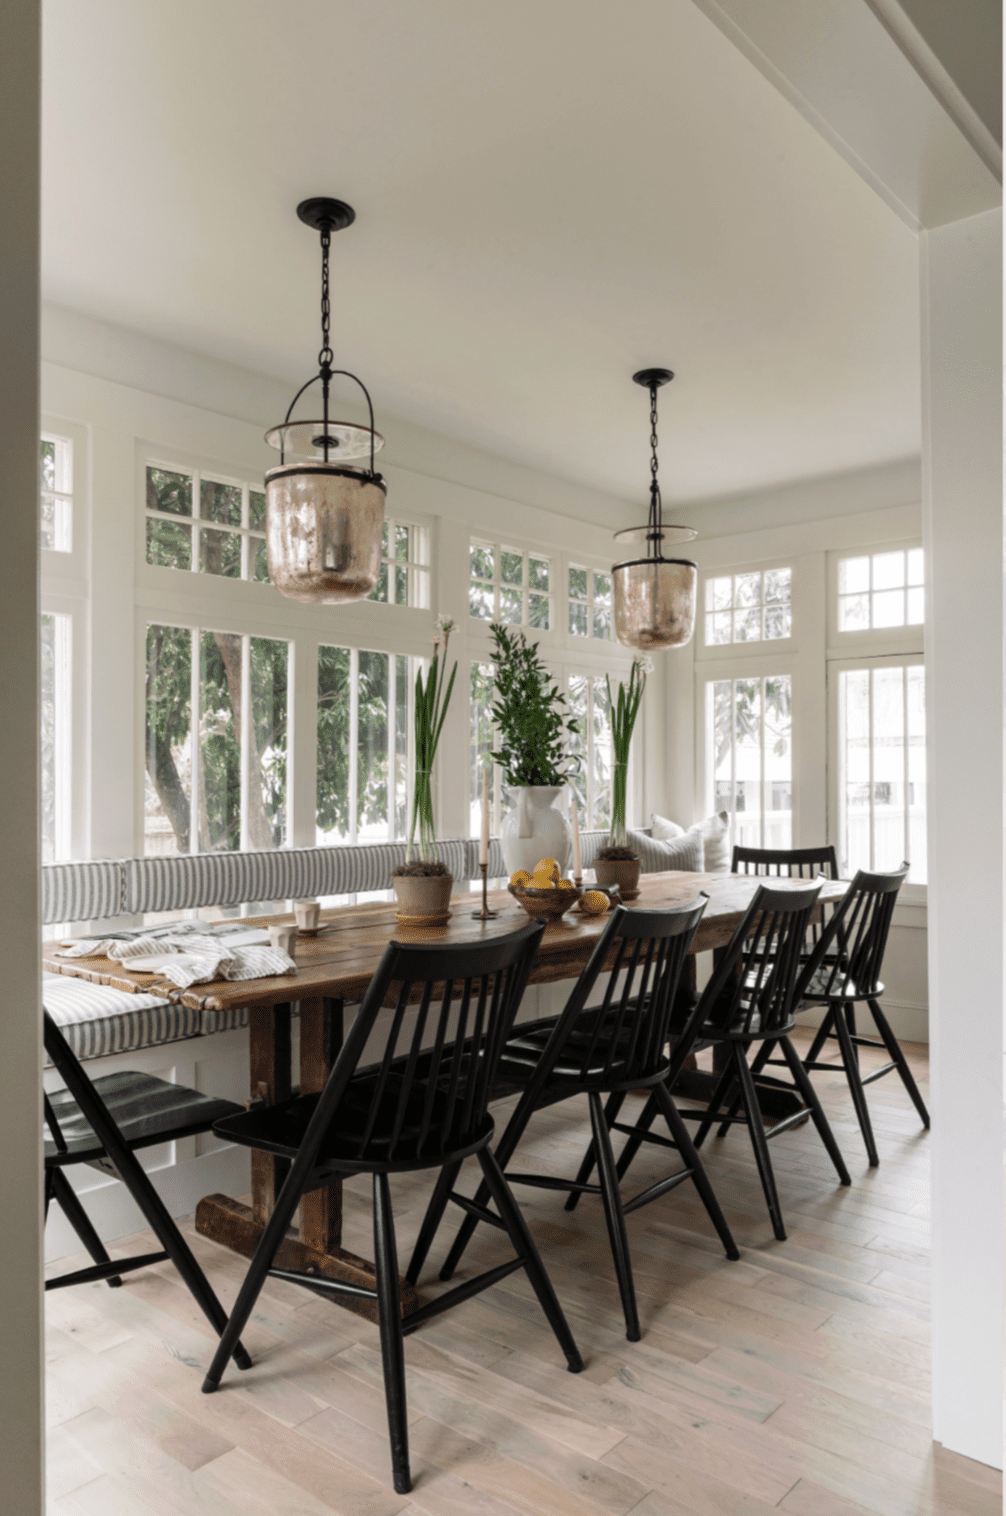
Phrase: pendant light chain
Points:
(325, 356)
(654, 534)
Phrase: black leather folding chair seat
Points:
(146, 1110)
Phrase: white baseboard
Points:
(909, 1023)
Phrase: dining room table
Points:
(334, 969)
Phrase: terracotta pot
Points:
(423, 894)
(621, 871)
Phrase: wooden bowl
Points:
(546, 905)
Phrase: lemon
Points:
(547, 866)
(543, 882)
(565, 884)
(521, 879)
(593, 902)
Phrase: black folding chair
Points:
(844, 971)
(751, 997)
(611, 1048)
(423, 1106)
(103, 1123)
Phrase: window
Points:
(207, 525)
(882, 768)
(216, 767)
(750, 607)
(55, 736)
(589, 603)
(749, 757)
(405, 571)
(881, 590)
(364, 730)
(481, 741)
(591, 784)
(56, 493)
(508, 585)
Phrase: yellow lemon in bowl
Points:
(543, 882)
(565, 884)
(521, 879)
(594, 902)
(547, 866)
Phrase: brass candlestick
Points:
(485, 914)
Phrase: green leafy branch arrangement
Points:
(529, 714)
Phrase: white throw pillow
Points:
(715, 833)
(684, 852)
(664, 830)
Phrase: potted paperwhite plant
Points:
(423, 883)
(532, 722)
(617, 862)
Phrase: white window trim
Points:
(729, 651)
(499, 546)
(588, 640)
(909, 894)
(871, 641)
(56, 566)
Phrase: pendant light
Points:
(654, 596)
(324, 520)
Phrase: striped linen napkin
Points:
(201, 959)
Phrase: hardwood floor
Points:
(796, 1380)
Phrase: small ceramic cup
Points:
(308, 914)
(283, 936)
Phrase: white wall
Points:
(803, 525)
(963, 517)
(21, 1447)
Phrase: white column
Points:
(963, 533)
(21, 1445)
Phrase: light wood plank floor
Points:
(794, 1381)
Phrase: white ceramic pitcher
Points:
(534, 829)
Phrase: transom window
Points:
(216, 766)
(363, 745)
(589, 603)
(405, 566)
(207, 525)
(749, 757)
(881, 590)
(508, 585)
(56, 493)
(751, 607)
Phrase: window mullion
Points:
(195, 764)
(245, 744)
(354, 710)
(392, 746)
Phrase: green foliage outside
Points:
(738, 718)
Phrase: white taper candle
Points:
(484, 841)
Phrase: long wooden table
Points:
(335, 968)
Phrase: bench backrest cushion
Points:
(82, 891)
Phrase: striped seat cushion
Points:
(82, 891)
(98, 1020)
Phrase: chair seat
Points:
(817, 987)
(147, 1110)
(281, 1129)
(97, 1020)
(524, 1049)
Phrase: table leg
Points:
(239, 1227)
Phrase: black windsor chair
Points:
(751, 997)
(103, 1123)
(611, 1048)
(423, 1106)
(844, 971)
(786, 863)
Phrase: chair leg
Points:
(807, 1090)
(390, 1318)
(820, 1037)
(614, 1216)
(611, 1110)
(756, 1068)
(446, 1181)
(520, 1236)
(851, 1062)
(724, 1087)
(65, 1197)
(633, 1144)
(679, 1133)
(759, 1142)
(894, 1048)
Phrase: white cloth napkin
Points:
(201, 959)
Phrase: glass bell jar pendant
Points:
(654, 595)
(324, 519)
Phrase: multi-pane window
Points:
(216, 741)
(749, 757)
(589, 603)
(55, 634)
(56, 493)
(405, 566)
(882, 768)
(363, 745)
(590, 785)
(881, 590)
(481, 741)
(508, 585)
(207, 525)
(750, 607)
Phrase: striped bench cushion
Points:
(98, 1020)
(82, 891)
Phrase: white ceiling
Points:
(549, 195)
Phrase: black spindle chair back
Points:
(786, 863)
(847, 961)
